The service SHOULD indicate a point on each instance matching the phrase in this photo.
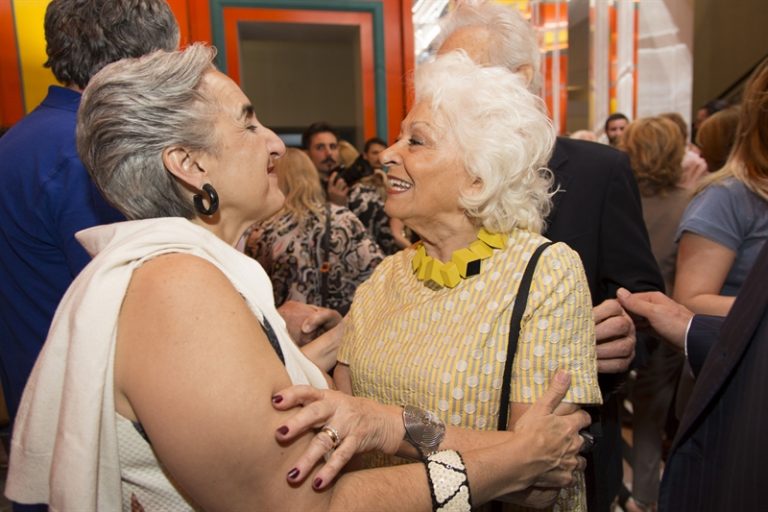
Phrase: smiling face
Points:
(425, 174)
(241, 168)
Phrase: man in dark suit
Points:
(596, 210)
(717, 461)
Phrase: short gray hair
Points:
(133, 110)
(513, 41)
(503, 134)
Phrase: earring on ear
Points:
(213, 201)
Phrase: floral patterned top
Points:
(291, 251)
(366, 202)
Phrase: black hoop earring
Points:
(213, 201)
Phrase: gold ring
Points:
(333, 434)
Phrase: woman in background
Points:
(313, 251)
(655, 146)
(716, 136)
(694, 166)
(726, 223)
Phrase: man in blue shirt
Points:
(46, 195)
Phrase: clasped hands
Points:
(551, 440)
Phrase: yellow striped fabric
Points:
(444, 349)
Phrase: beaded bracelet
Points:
(448, 482)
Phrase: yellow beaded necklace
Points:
(464, 262)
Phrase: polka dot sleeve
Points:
(557, 331)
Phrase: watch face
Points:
(423, 428)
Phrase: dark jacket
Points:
(717, 461)
(597, 212)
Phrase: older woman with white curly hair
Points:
(435, 324)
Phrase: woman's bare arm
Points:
(193, 366)
(700, 272)
(365, 425)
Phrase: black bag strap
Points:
(325, 265)
(514, 332)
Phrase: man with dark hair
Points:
(614, 127)
(371, 151)
(709, 108)
(342, 186)
(321, 142)
(46, 195)
(366, 163)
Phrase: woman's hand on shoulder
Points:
(362, 425)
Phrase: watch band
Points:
(423, 429)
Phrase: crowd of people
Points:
(195, 317)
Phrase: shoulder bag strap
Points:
(514, 332)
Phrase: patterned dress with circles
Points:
(443, 349)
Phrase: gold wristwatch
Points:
(423, 429)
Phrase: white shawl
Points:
(64, 447)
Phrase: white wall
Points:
(665, 57)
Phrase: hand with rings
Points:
(345, 425)
(332, 434)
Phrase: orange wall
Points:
(197, 23)
(11, 103)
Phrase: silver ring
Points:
(589, 442)
(333, 434)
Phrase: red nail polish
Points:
(292, 474)
(317, 483)
(282, 430)
(277, 399)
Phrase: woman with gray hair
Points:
(436, 325)
(155, 387)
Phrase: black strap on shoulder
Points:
(272, 338)
(514, 332)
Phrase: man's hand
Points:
(337, 189)
(615, 336)
(668, 318)
(306, 322)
